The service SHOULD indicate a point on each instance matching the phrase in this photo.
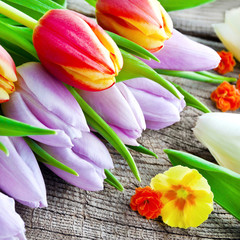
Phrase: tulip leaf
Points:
(112, 180)
(196, 76)
(95, 121)
(47, 158)
(91, 2)
(191, 100)
(217, 76)
(61, 2)
(10, 127)
(35, 9)
(173, 5)
(224, 183)
(4, 149)
(132, 47)
(133, 68)
(142, 149)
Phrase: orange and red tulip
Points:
(76, 50)
(144, 22)
(7, 75)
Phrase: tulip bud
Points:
(7, 75)
(220, 133)
(118, 107)
(12, 226)
(20, 176)
(159, 106)
(144, 22)
(76, 50)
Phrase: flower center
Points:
(182, 193)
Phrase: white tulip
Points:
(229, 32)
(220, 133)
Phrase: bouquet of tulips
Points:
(76, 77)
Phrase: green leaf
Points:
(95, 121)
(35, 9)
(196, 76)
(191, 100)
(10, 127)
(61, 2)
(225, 184)
(91, 2)
(173, 5)
(47, 158)
(132, 47)
(134, 68)
(142, 149)
(4, 149)
(19, 36)
(112, 180)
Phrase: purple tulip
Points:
(118, 107)
(183, 54)
(42, 101)
(20, 176)
(159, 106)
(11, 224)
(89, 157)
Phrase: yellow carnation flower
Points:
(187, 197)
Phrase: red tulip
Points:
(76, 50)
(7, 75)
(144, 22)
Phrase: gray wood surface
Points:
(78, 214)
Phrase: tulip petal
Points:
(184, 54)
(12, 226)
(100, 156)
(18, 110)
(52, 94)
(7, 66)
(90, 176)
(20, 176)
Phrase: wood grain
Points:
(78, 214)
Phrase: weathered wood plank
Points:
(78, 214)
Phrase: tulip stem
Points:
(17, 15)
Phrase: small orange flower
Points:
(227, 63)
(238, 83)
(147, 202)
(227, 97)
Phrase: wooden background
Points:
(78, 214)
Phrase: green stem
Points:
(17, 15)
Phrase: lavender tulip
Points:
(183, 54)
(89, 157)
(11, 224)
(159, 106)
(42, 101)
(20, 176)
(118, 107)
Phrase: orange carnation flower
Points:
(238, 83)
(227, 97)
(226, 64)
(147, 202)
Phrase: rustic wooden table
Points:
(78, 214)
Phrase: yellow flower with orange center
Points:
(186, 196)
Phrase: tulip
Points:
(220, 133)
(118, 107)
(7, 75)
(159, 106)
(229, 32)
(20, 176)
(43, 101)
(12, 226)
(143, 22)
(88, 157)
(76, 50)
(183, 54)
